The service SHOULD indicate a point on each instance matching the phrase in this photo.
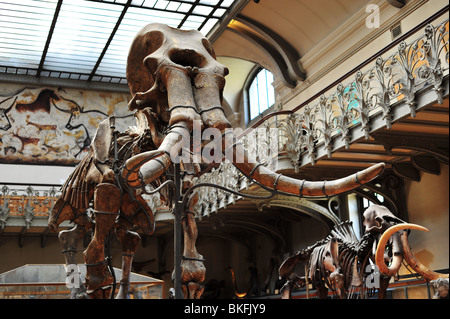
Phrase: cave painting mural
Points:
(54, 125)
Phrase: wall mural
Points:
(54, 125)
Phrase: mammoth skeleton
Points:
(175, 80)
(340, 261)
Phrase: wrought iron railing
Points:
(334, 116)
(30, 205)
(25, 203)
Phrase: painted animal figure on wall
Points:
(41, 103)
(344, 264)
(5, 122)
(176, 83)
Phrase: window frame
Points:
(250, 79)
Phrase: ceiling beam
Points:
(428, 164)
(49, 37)
(407, 170)
(188, 14)
(234, 10)
(282, 69)
(436, 145)
(289, 54)
(111, 36)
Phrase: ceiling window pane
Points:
(161, 4)
(28, 20)
(219, 12)
(202, 10)
(184, 7)
(209, 2)
(208, 26)
(173, 6)
(149, 3)
(137, 2)
(82, 28)
(227, 3)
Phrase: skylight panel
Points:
(115, 58)
(26, 19)
(184, 7)
(82, 29)
(219, 12)
(210, 2)
(202, 10)
(227, 3)
(208, 25)
(149, 3)
(161, 4)
(88, 42)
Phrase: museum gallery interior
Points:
(224, 149)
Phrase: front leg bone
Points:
(130, 241)
(69, 240)
(193, 270)
(107, 201)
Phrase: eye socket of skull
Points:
(373, 217)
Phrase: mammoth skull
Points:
(175, 74)
(392, 230)
(378, 218)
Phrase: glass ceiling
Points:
(89, 39)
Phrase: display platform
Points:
(48, 281)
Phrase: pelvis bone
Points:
(175, 74)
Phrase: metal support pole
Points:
(306, 282)
(177, 232)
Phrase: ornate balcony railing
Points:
(30, 206)
(372, 92)
(22, 205)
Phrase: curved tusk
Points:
(379, 255)
(130, 171)
(286, 184)
(417, 265)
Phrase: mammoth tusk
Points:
(290, 185)
(130, 171)
(379, 255)
(417, 265)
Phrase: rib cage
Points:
(79, 187)
(350, 249)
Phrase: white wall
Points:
(428, 206)
(34, 174)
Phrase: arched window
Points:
(260, 93)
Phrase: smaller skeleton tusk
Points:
(379, 255)
(416, 264)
